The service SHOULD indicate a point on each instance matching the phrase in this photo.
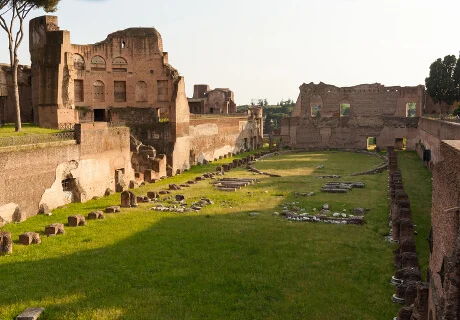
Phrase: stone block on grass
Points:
(6, 243)
(29, 238)
(95, 215)
(30, 314)
(113, 209)
(77, 220)
(54, 229)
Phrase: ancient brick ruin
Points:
(326, 116)
(134, 123)
(7, 108)
(205, 100)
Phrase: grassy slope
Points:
(417, 183)
(7, 130)
(219, 263)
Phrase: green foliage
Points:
(316, 111)
(443, 83)
(273, 114)
(411, 109)
(47, 5)
(344, 109)
(456, 112)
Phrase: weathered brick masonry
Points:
(444, 269)
(54, 174)
(373, 111)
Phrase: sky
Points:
(266, 49)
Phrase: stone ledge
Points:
(38, 146)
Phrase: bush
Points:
(457, 112)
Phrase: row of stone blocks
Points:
(29, 238)
(237, 163)
(407, 279)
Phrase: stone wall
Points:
(7, 107)
(431, 133)
(445, 256)
(73, 171)
(205, 100)
(127, 69)
(213, 137)
(373, 111)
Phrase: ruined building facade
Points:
(7, 107)
(130, 115)
(126, 79)
(205, 100)
(326, 116)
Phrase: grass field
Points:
(220, 263)
(417, 183)
(7, 130)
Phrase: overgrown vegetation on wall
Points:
(272, 113)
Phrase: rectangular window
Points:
(315, 111)
(78, 90)
(411, 109)
(344, 110)
(99, 114)
(119, 91)
(162, 90)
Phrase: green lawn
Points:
(220, 263)
(417, 183)
(7, 130)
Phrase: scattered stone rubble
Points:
(410, 291)
(232, 184)
(341, 187)
(180, 206)
(294, 213)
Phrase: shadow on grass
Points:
(223, 266)
(217, 266)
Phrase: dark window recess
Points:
(67, 184)
(99, 114)
(427, 155)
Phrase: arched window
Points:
(78, 62)
(98, 63)
(141, 91)
(99, 91)
(119, 64)
(344, 109)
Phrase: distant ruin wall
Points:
(211, 138)
(327, 116)
(57, 175)
(7, 107)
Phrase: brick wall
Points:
(432, 132)
(32, 176)
(211, 137)
(375, 111)
(444, 260)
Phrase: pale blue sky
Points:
(267, 49)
